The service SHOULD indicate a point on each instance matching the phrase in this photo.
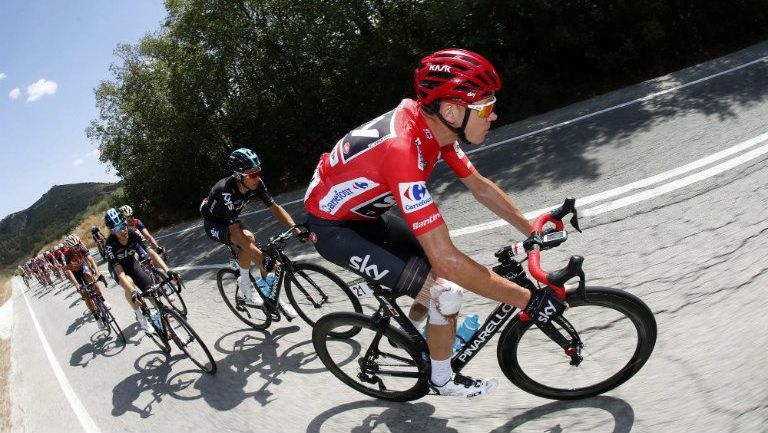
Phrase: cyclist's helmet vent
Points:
(126, 210)
(455, 74)
(113, 218)
(242, 160)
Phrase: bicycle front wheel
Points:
(109, 319)
(188, 341)
(379, 360)
(617, 331)
(315, 292)
(229, 288)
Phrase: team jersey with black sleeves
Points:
(225, 201)
(119, 254)
(383, 163)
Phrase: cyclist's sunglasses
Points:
(483, 110)
(119, 227)
(252, 174)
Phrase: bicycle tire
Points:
(228, 278)
(182, 343)
(178, 304)
(611, 329)
(307, 278)
(112, 324)
(407, 352)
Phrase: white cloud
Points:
(2, 75)
(93, 154)
(77, 162)
(14, 93)
(40, 88)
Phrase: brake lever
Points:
(575, 220)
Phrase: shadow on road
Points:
(418, 416)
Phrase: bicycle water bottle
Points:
(466, 331)
(155, 318)
(265, 284)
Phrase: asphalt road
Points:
(692, 245)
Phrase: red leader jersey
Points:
(383, 163)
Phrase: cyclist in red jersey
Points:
(386, 163)
(82, 269)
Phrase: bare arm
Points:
(453, 265)
(282, 216)
(149, 237)
(497, 201)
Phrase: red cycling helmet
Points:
(455, 74)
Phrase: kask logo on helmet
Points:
(414, 196)
(440, 68)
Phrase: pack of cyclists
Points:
(382, 164)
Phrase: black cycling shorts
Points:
(384, 250)
(139, 276)
(216, 231)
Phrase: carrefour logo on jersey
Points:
(414, 196)
(343, 192)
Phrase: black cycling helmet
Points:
(113, 218)
(242, 160)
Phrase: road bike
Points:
(107, 319)
(172, 285)
(312, 290)
(602, 340)
(169, 325)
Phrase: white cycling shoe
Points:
(463, 386)
(143, 323)
(288, 309)
(250, 295)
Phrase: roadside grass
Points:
(5, 288)
(5, 364)
(5, 385)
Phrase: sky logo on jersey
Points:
(414, 196)
(343, 192)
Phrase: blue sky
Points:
(52, 55)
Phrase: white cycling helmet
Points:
(126, 210)
(72, 240)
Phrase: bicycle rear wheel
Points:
(255, 317)
(368, 361)
(315, 292)
(170, 289)
(188, 341)
(617, 331)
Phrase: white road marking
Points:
(77, 406)
(677, 184)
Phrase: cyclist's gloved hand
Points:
(544, 306)
(160, 250)
(173, 274)
(305, 234)
(268, 263)
(135, 296)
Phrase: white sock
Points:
(138, 313)
(441, 371)
(245, 280)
